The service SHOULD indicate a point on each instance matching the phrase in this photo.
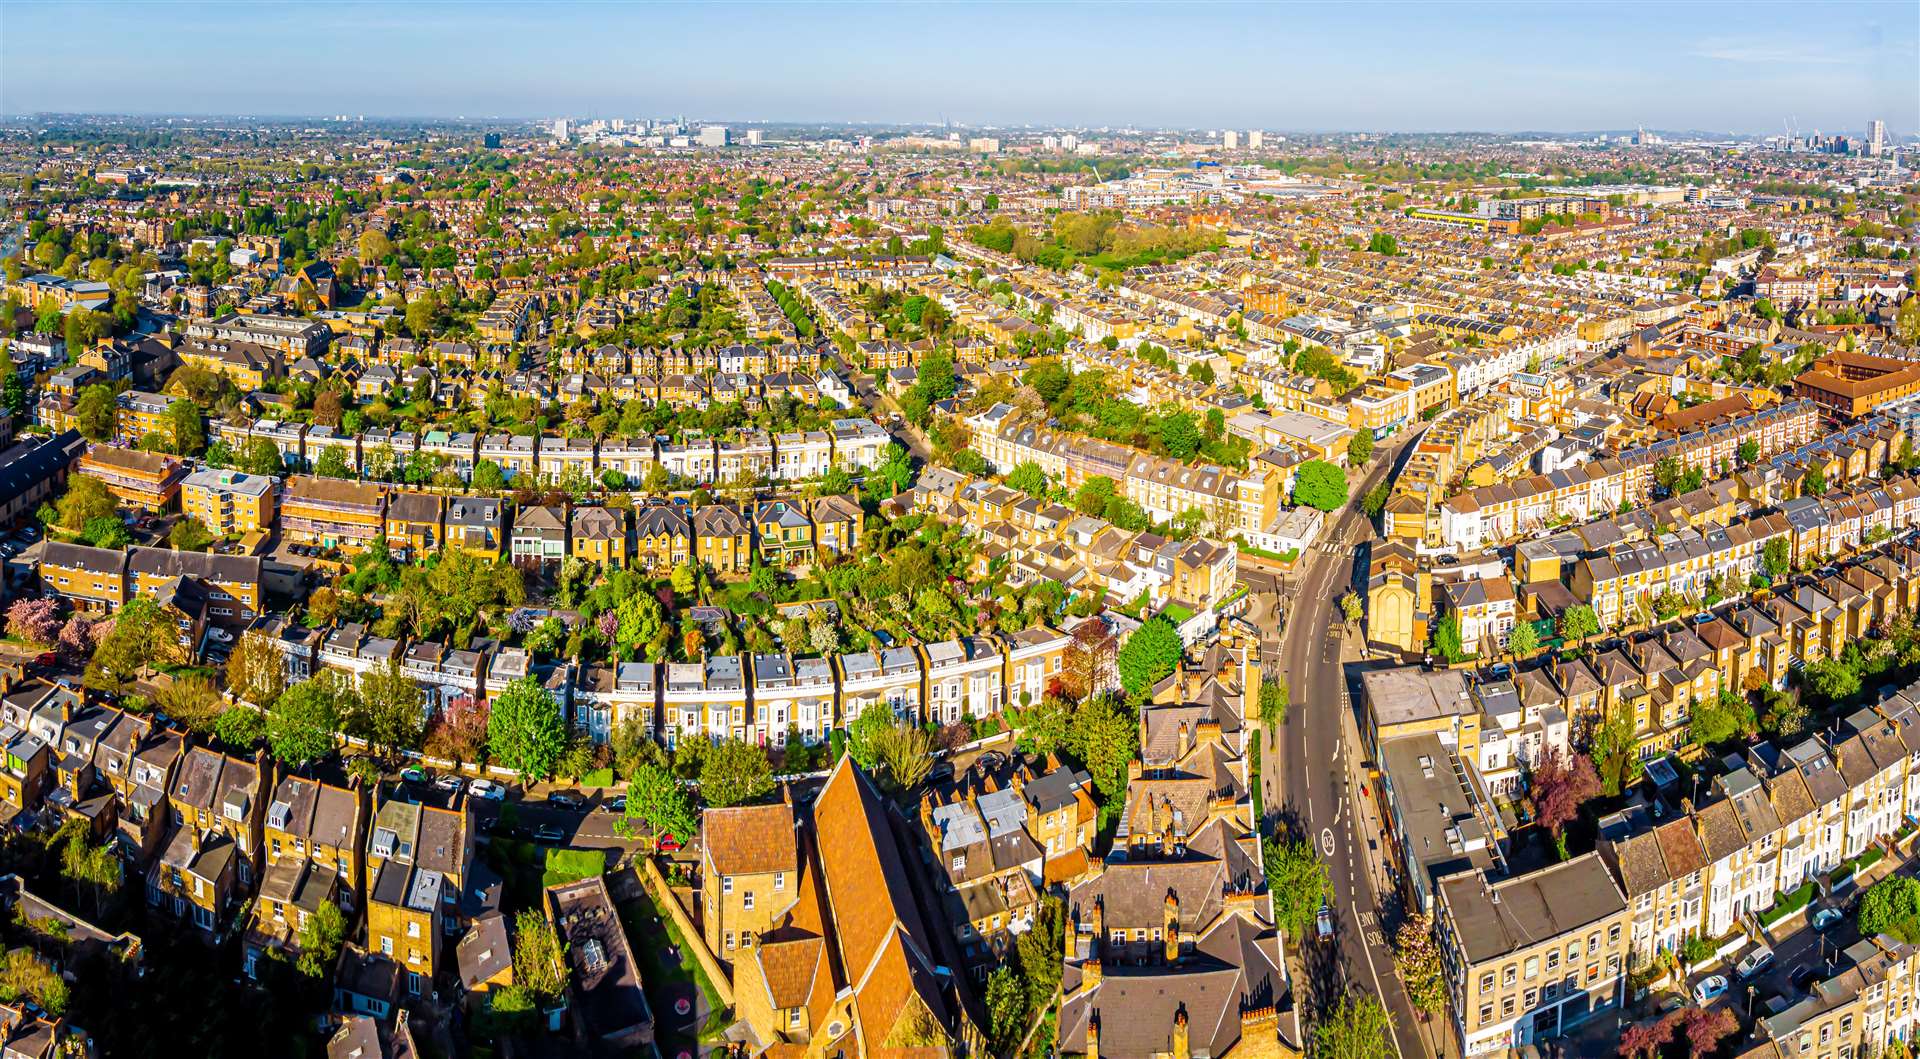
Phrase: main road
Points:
(1313, 792)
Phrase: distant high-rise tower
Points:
(1230, 140)
(1256, 139)
(560, 130)
(1876, 138)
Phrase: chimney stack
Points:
(1181, 1048)
(1089, 974)
(1171, 927)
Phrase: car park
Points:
(1753, 963)
(1710, 987)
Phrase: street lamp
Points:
(1750, 1003)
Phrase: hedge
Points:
(1786, 904)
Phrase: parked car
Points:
(1324, 921)
(549, 835)
(1827, 918)
(669, 844)
(1709, 987)
(615, 804)
(488, 790)
(567, 799)
(413, 774)
(1754, 963)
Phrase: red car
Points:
(669, 844)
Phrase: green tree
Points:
(1006, 1008)
(240, 727)
(141, 638)
(1104, 736)
(13, 391)
(1355, 1028)
(1275, 701)
(320, 938)
(95, 412)
(1523, 640)
(106, 532)
(1832, 680)
(525, 731)
(656, 799)
(1028, 478)
(1297, 879)
(1577, 623)
(385, 709)
(488, 479)
(189, 535)
(1375, 502)
(1776, 558)
(1721, 718)
(259, 456)
(93, 870)
(1614, 752)
(907, 752)
(301, 726)
(332, 463)
(1180, 435)
(735, 772)
(1092, 496)
(1446, 639)
(1148, 656)
(189, 432)
(864, 734)
(1360, 447)
(1748, 452)
(1891, 906)
(1319, 484)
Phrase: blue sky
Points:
(1373, 66)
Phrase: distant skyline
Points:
(1387, 67)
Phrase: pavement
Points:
(1306, 798)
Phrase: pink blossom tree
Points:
(35, 620)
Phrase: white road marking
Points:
(1326, 840)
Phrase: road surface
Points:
(1313, 791)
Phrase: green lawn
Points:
(650, 930)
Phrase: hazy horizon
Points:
(1433, 68)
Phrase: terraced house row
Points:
(852, 445)
(1040, 540)
(1232, 502)
(1532, 954)
(1653, 679)
(1505, 512)
(791, 533)
(762, 698)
